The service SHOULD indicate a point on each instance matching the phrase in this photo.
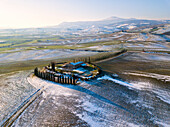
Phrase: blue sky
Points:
(40, 13)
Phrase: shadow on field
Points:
(93, 94)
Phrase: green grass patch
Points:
(4, 44)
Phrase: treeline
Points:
(52, 76)
(94, 58)
(98, 57)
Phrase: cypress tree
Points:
(42, 75)
(57, 78)
(73, 79)
(36, 71)
(45, 75)
(53, 66)
(50, 76)
(62, 79)
(68, 80)
(54, 78)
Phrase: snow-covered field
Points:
(146, 37)
(151, 56)
(147, 73)
(105, 101)
(14, 89)
(105, 47)
(139, 98)
(162, 30)
(41, 54)
(68, 105)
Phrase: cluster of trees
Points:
(84, 59)
(99, 56)
(56, 78)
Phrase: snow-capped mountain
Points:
(109, 25)
(85, 24)
(81, 28)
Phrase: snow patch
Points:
(160, 77)
(115, 80)
(162, 123)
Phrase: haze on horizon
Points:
(42, 13)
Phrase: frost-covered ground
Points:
(105, 101)
(14, 89)
(137, 96)
(105, 47)
(144, 37)
(162, 30)
(91, 104)
(123, 36)
(149, 74)
(160, 46)
(41, 54)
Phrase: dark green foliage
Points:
(36, 71)
(53, 66)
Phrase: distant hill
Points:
(108, 25)
(81, 28)
(85, 24)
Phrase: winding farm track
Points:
(120, 54)
(9, 121)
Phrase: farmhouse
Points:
(73, 65)
(68, 73)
